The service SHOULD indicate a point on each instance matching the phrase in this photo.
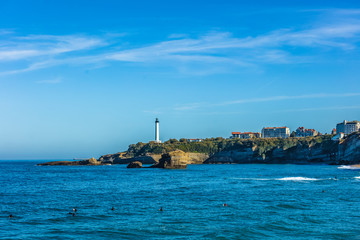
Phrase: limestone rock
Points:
(173, 160)
(135, 164)
(93, 161)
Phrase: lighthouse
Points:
(157, 137)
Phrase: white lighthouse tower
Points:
(157, 136)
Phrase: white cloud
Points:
(221, 48)
(197, 105)
(191, 106)
(216, 46)
(284, 98)
(320, 109)
(50, 81)
(32, 46)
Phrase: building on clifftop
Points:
(303, 132)
(348, 127)
(245, 135)
(272, 132)
(333, 131)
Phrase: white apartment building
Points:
(348, 127)
(272, 132)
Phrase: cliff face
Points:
(308, 150)
(324, 152)
(327, 152)
(349, 150)
(197, 158)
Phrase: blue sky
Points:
(86, 78)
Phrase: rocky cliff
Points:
(320, 149)
(319, 152)
(349, 150)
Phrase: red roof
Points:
(233, 133)
(273, 127)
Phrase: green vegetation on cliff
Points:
(211, 146)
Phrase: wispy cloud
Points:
(336, 11)
(214, 46)
(190, 106)
(203, 105)
(320, 108)
(221, 48)
(178, 35)
(50, 81)
(284, 98)
(32, 46)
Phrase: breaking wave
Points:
(281, 179)
(297, 179)
(348, 167)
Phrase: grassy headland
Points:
(212, 146)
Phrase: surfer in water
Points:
(161, 209)
(112, 208)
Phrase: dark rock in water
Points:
(58, 163)
(124, 158)
(142, 159)
(135, 164)
(173, 160)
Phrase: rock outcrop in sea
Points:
(135, 164)
(124, 158)
(173, 160)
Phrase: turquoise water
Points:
(264, 202)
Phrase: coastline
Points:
(301, 151)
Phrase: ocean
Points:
(263, 202)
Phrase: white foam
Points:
(281, 179)
(297, 179)
(357, 177)
(348, 167)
